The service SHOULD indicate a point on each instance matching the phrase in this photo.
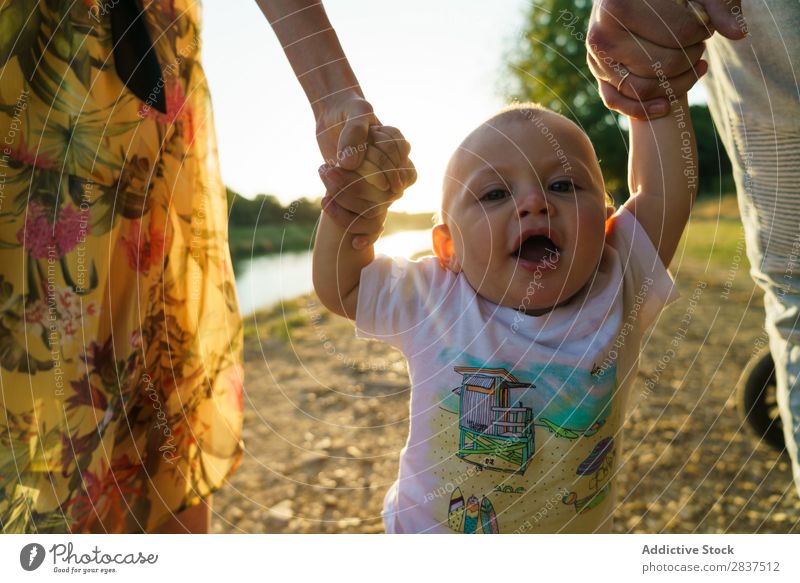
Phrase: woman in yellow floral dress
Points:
(120, 336)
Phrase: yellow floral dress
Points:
(120, 336)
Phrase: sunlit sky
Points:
(434, 69)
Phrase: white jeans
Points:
(754, 100)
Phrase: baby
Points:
(522, 334)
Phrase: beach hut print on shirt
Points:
(495, 428)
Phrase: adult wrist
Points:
(328, 93)
(312, 49)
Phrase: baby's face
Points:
(526, 210)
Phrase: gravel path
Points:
(326, 417)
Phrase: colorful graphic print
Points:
(568, 400)
(488, 517)
(472, 515)
(477, 517)
(599, 465)
(495, 412)
(455, 516)
(493, 435)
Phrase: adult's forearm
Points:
(312, 48)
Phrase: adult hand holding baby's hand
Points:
(347, 127)
(632, 46)
(359, 201)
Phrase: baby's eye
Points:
(496, 194)
(562, 186)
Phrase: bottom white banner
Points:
(354, 558)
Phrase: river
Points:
(267, 279)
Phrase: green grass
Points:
(280, 320)
(714, 236)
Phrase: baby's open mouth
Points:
(538, 249)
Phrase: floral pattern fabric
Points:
(120, 335)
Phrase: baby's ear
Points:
(443, 248)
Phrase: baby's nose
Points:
(533, 201)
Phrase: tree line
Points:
(266, 209)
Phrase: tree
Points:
(268, 210)
(305, 211)
(714, 166)
(548, 66)
(265, 209)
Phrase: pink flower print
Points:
(188, 125)
(104, 503)
(69, 313)
(72, 227)
(175, 100)
(36, 235)
(68, 329)
(64, 300)
(235, 387)
(135, 339)
(35, 313)
(143, 253)
(43, 239)
(63, 310)
(22, 154)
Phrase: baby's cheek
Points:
(588, 251)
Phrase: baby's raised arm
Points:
(662, 175)
(337, 264)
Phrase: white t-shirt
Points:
(515, 420)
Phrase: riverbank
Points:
(326, 414)
(248, 241)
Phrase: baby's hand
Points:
(385, 165)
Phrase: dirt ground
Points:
(326, 417)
